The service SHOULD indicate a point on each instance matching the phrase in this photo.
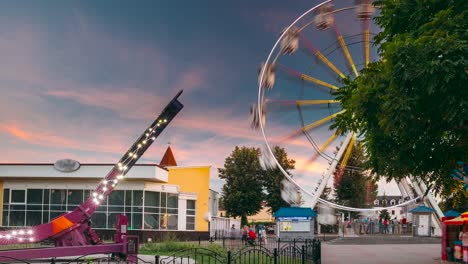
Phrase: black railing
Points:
(270, 250)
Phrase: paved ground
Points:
(381, 254)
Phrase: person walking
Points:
(245, 232)
(385, 226)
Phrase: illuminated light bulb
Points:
(30, 232)
(101, 197)
(150, 129)
(135, 156)
(165, 120)
(139, 145)
(31, 239)
(1, 236)
(116, 181)
(21, 232)
(113, 185)
(96, 202)
(153, 138)
(130, 154)
(104, 182)
(8, 236)
(119, 164)
(94, 194)
(120, 176)
(157, 125)
(104, 189)
(144, 141)
(147, 134)
(125, 167)
(14, 233)
(20, 239)
(159, 121)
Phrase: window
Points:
(376, 202)
(190, 221)
(172, 200)
(34, 196)
(152, 199)
(145, 210)
(116, 202)
(393, 212)
(392, 202)
(151, 221)
(302, 226)
(384, 202)
(18, 196)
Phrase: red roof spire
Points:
(168, 158)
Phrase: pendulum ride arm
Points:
(73, 228)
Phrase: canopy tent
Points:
(457, 221)
(465, 214)
(451, 213)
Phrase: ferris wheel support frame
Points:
(330, 170)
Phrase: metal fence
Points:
(271, 250)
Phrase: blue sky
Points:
(81, 79)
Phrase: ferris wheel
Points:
(296, 105)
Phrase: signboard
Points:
(67, 165)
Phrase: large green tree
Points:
(351, 187)
(242, 191)
(411, 107)
(272, 178)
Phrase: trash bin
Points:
(449, 251)
(458, 251)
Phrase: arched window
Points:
(392, 202)
(384, 202)
(376, 202)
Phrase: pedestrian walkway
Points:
(381, 254)
(384, 239)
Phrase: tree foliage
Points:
(272, 178)
(242, 195)
(350, 189)
(384, 214)
(247, 185)
(412, 106)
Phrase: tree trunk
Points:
(244, 220)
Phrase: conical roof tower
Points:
(168, 158)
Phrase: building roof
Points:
(451, 213)
(422, 209)
(295, 212)
(168, 158)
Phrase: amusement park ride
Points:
(306, 65)
(72, 231)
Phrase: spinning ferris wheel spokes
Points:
(331, 35)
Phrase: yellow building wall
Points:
(195, 180)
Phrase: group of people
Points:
(378, 225)
(251, 234)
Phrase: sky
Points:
(82, 79)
